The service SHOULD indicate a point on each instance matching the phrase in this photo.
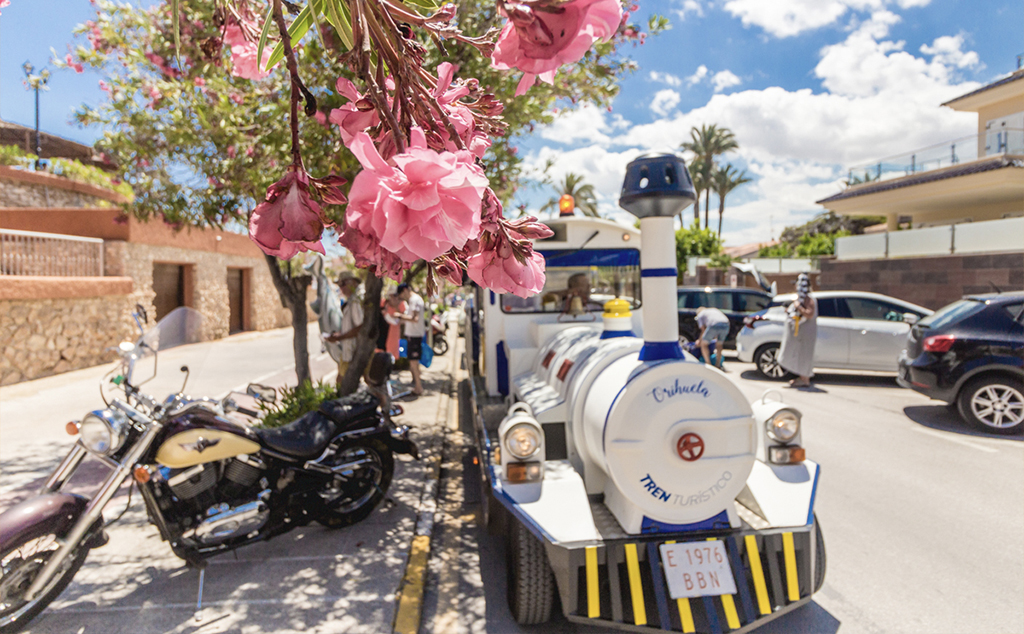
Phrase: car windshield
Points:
(952, 313)
(593, 275)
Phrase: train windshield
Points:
(594, 276)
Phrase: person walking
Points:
(801, 334)
(391, 310)
(415, 330)
(351, 321)
(714, 326)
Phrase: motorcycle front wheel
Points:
(19, 564)
(440, 345)
(354, 493)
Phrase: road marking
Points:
(959, 441)
(410, 601)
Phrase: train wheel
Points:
(531, 584)
(819, 555)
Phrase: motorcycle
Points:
(210, 484)
(439, 328)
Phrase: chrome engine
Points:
(224, 522)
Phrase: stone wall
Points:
(24, 188)
(931, 282)
(210, 292)
(41, 337)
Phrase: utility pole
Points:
(36, 83)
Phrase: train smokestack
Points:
(655, 189)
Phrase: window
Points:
(593, 275)
(875, 310)
(749, 302)
(953, 313)
(722, 300)
(1015, 310)
(832, 307)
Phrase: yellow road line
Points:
(789, 553)
(636, 589)
(593, 596)
(410, 601)
(755, 569)
(685, 614)
(731, 617)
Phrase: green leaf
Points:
(337, 15)
(177, 31)
(264, 34)
(299, 27)
(429, 5)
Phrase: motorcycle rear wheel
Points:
(440, 345)
(354, 495)
(19, 564)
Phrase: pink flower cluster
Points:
(504, 259)
(243, 54)
(537, 40)
(289, 220)
(421, 206)
(76, 66)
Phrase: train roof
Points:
(579, 232)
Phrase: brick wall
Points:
(931, 282)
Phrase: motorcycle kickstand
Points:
(199, 599)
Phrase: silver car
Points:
(856, 331)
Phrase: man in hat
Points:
(351, 321)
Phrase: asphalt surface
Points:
(923, 519)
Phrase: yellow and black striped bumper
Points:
(620, 583)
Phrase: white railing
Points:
(989, 236)
(764, 265)
(49, 254)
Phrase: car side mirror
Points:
(910, 318)
(262, 393)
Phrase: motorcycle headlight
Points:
(103, 431)
(783, 426)
(523, 441)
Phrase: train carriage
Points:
(637, 487)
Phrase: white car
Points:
(856, 331)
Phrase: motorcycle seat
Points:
(347, 410)
(304, 437)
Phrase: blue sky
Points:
(809, 87)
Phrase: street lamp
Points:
(37, 83)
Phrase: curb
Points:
(410, 593)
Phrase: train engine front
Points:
(617, 453)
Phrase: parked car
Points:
(972, 353)
(856, 331)
(736, 303)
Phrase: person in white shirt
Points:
(415, 330)
(351, 320)
(714, 326)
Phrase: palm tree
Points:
(724, 180)
(698, 173)
(707, 142)
(582, 193)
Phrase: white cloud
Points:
(786, 18)
(698, 75)
(879, 100)
(664, 102)
(946, 50)
(584, 124)
(725, 79)
(665, 78)
(690, 6)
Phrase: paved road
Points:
(309, 580)
(923, 521)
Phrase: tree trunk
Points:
(721, 212)
(707, 207)
(696, 210)
(366, 341)
(293, 295)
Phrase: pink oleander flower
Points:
(289, 220)
(77, 66)
(5, 3)
(199, 81)
(476, 141)
(237, 98)
(507, 274)
(154, 95)
(232, 152)
(539, 40)
(354, 117)
(422, 205)
(104, 86)
(243, 54)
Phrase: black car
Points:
(972, 353)
(736, 303)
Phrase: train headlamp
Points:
(783, 426)
(103, 431)
(523, 441)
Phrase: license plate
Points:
(697, 569)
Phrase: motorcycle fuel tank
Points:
(203, 437)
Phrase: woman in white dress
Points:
(797, 354)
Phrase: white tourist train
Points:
(635, 484)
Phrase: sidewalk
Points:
(309, 580)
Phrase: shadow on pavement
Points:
(946, 418)
(862, 380)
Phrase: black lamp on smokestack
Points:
(655, 189)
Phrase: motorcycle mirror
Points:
(142, 313)
(262, 393)
(184, 369)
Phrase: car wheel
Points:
(993, 403)
(766, 358)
